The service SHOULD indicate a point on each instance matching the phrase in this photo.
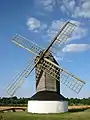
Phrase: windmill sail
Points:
(66, 77)
(71, 81)
(19, 79)
(62, 38)
(27, 44)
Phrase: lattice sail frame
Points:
(62, 38)
(27, 44)
(66, 77)
(58, 40)
(20, 78)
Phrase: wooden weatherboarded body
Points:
(44, 81)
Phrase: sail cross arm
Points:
(27, 44)
(73, 76)
(65, 77)
(63, 37)
(20, 78)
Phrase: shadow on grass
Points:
(77, 110)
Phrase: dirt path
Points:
(70, 107)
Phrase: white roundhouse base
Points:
(36, 106)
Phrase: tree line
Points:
(77, 101)
(14, 101)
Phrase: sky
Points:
(39, 21)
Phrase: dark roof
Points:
(48, 96)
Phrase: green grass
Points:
(81, 115)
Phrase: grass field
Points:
(81, 115)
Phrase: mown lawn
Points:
(83, 115)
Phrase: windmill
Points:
(49, 74)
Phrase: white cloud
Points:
(67, 5)
(79, 32)
(71, 4)
(75, 22)
(76, 9)
(76, 48)
(43, 27)
(83, 10)
(47, 4)
(35, 25)
(55, 27)
(70, 7)
(62, 7)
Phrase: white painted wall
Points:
(35, 106)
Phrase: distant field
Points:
(83, 115)
(70, 107)
(79, 107)
(6, 107)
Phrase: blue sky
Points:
(39, 21)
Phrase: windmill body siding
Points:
(45, 81)
(50, 83)
(41, 84)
